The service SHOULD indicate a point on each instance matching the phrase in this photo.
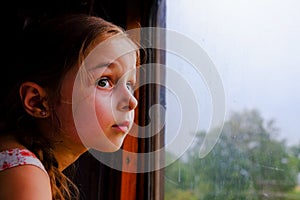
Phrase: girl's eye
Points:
(130, 87)
(104, 83)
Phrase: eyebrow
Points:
(100, 66)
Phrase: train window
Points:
(218, 101)
(240, 136)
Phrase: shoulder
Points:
(22, 175)
(15, 157)
(13, 154)
(24, 182)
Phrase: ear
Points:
(34, 100)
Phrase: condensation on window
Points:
(254, 47)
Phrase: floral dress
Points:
(17, 157)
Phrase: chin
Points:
(116, 146)
(112, 149)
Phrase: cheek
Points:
(103, 110)
(89, 127)
(132, 115)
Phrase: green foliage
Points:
(246, 163)
(180, 194)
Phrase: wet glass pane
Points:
(252, 47)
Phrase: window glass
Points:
(252, 47)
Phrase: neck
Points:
(67, 148)
(66, 155)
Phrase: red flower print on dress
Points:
(5, 165)
(27, 153)
(18, 157)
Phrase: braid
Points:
(62, 187)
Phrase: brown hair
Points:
(46, 51)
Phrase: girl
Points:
(71, 89)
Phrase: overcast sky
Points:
(255, 45)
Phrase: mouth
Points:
(121, 127)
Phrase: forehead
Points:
(110, 51)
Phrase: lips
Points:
(121, 127)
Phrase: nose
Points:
(127, 101)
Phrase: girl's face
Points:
(97, 102)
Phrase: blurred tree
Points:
(246, 163)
